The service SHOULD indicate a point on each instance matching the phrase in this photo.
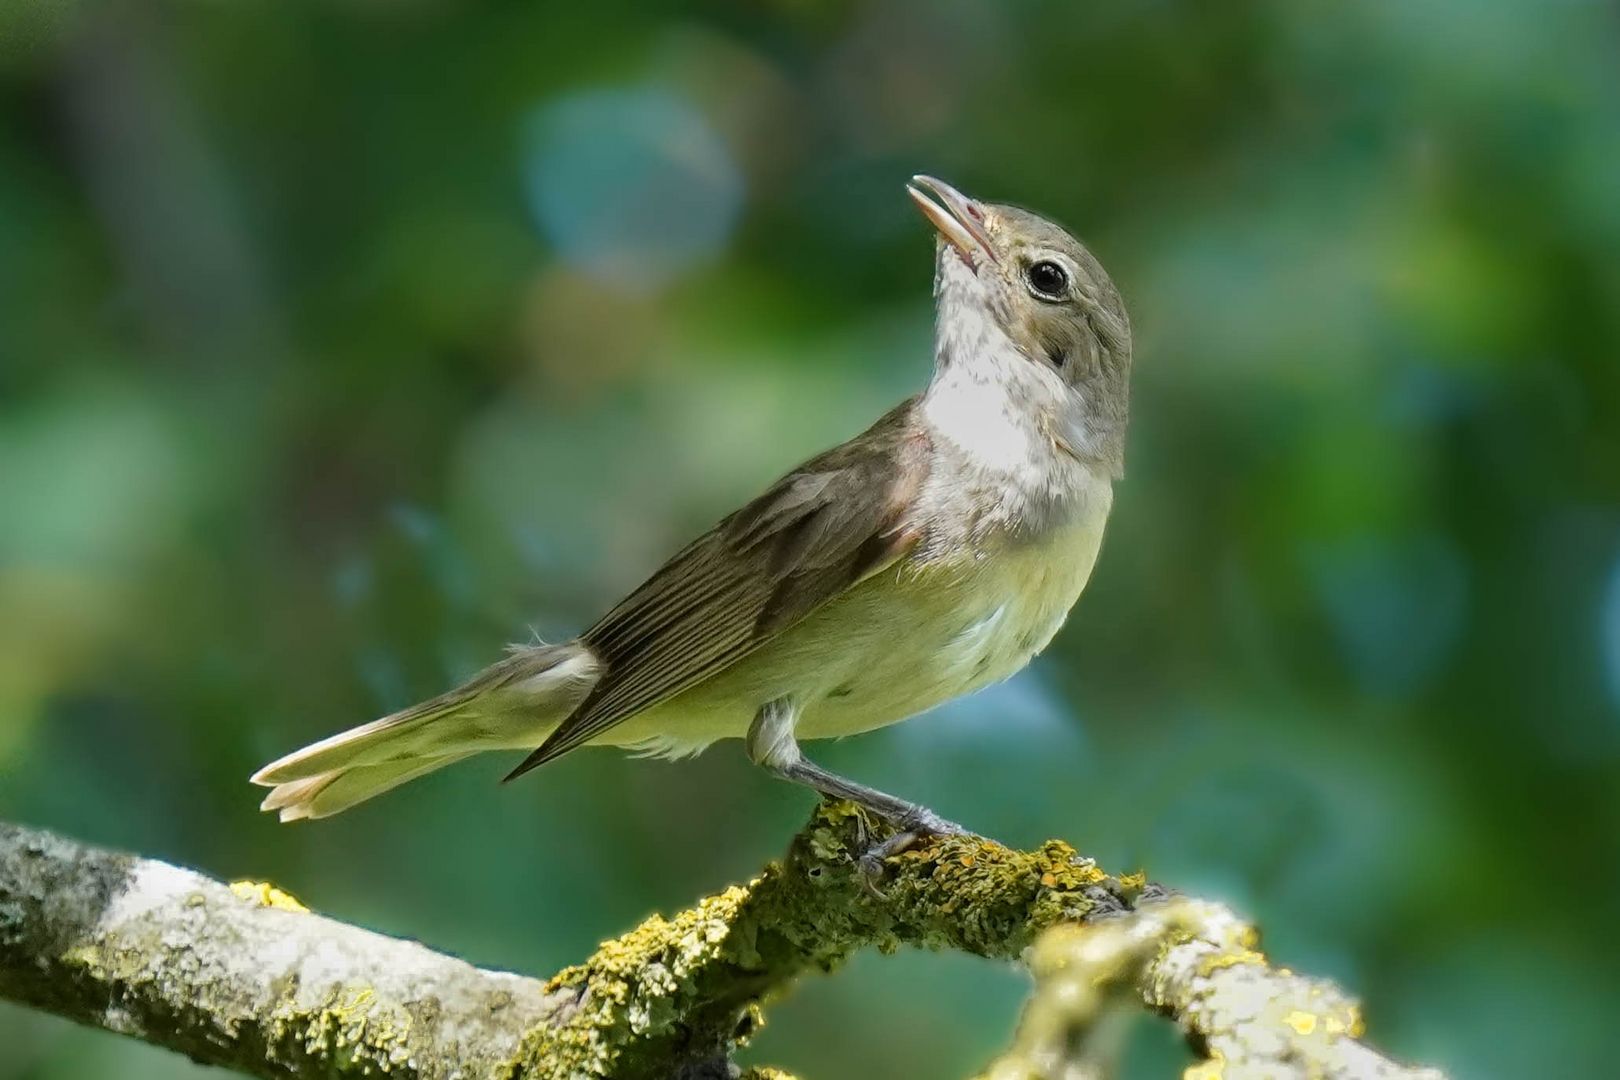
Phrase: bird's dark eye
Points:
(1048, 280)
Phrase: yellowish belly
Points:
(951, 630)
(901, 642)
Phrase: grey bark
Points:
(242, 976)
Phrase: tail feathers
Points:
(333, 792)
(398, 735)
(513, 703)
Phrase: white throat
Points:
(977, 400)
(993, 412)
(972, 406)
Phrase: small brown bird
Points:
(932, 554)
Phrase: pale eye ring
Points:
(1047, 280)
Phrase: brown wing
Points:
(820, 529)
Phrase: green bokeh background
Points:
(341, 343)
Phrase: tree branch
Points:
(242, 976)
(1195, 962)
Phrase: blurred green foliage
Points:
(340, 343)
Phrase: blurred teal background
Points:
(341, 343)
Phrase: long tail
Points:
(510, 705)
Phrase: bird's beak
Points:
(959, 219)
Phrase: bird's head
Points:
(1007, 277)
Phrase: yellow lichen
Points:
(669, 985)
(1212, 964)
(1212, 1069)
(357, 1003)
(264, 894)
(1304, 1022)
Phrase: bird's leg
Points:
(771, 744)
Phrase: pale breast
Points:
(908, 638)
(1026, 595)
(948, 628)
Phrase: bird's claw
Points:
(914, 827)
(870, 861)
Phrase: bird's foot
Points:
(915, 825)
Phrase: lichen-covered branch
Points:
(689, 988)
(241, 976)
(1197, 963)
